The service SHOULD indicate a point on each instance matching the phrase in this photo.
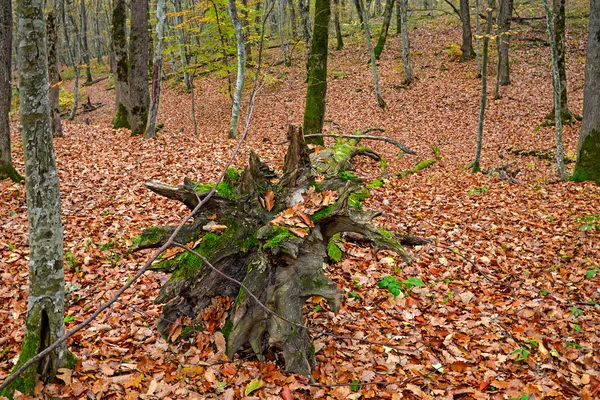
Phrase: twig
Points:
(368, 137)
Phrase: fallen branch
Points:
(367, 137)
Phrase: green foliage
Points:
(589, 222)
(71, 261)
(478, 190)
(395, 286)
(375, 183)
(278, 236)
(575, 311)
(322, 213)
(354, 295)
(335, 248)
(522, 354)
(345, 175)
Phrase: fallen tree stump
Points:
(272, 233)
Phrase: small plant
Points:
(71, 261)
(11, 247)
(521, 397)
(478, 190)
(354, 295)
(395, 286)
(575, 311)
(522, 354)
(589, 222)
(108, 245)
(448, 296)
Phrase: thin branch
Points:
(368, 137)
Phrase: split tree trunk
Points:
(45, 307)
(161, 17)
(7, 170)
(316, 93)
(139, 96)
(274, 239)
(121, 73)
(587, 167)
(53, 76)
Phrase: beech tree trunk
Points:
(366, 29)
(121, 73)
(161, 17)
(304, 10)
(139, 96)
(467, 37)
(73, 54)
(53, 75)
(182, 43)
(559, 38)
(7, 170)
(338, 28)
(239, 83)
(405, 37)
(84, 42)
(274, 238)
(587, 167)
(45, 307)
(505, 18)
(387, 17)
(316, 93)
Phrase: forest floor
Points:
(521, 318)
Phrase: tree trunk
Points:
(387, 17)
(121, 73)
(73, 52)
(304, 10)
(245, 28)
(316, 93)
(359, 10)
(161, 17)
(45, 308)
(84, 41)
(408, 74)
(292, 8)
(278, 260)
(559, 38)
(97, 37)
(338, 28)
(280, 33)
(53, 75)
(467, 40)
(486, 40)
(139, 95)
(182, 43)
(587, 167)
(477, 39)
(560, 163)
(398, 18)
(7, 170)
(239, 83)
(505, 18)
(380, 100)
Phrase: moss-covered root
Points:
(587, 167)
(9, 172)
(295, 280)
(422, 164)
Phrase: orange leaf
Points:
(286, 393)
(299, 232)
(269, 200)
(305, 218)
(212, 217)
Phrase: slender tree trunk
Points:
(97, 37)
(280, 21)
(171, 54)
(73, 52)
(245, 28)
(139, 95)
(398, 19)
(84, 41)
(223, 49)
(359, 10)
(408, 74)
(338, 28)
(239, 83)
(45, 308)
(477, 39)
(7, 170)
(560, 164)
(182, 43)
(121, 72)
(161, 17)
(486, 40)
(587, 167)
(304, 9)
(387, 17)
(292, 8)
(505, 18)
(53, 75)
(376, 89)
(467, 39)
(193, 104)
(559, 39)
(316, 93)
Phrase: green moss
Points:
(9, 172)
(71, 360)
(375, 183)
(437, 152)
(334, 250)
(345, 175)
(342, 151)
(224, 189)
(587, 167)
(322, 213)
(279, 235)
(355, 200)
(227, 328)
(423, 164)
(386, 234)
(149, 236)
(233, 174)
(26, 382)
(121, 119)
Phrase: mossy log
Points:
(271, 233)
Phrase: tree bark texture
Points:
(366, 29)
(182, 43)
(387, 17)
(558, 11)
(338, 28)
(84, 42)
(239, 83)
(45, 308)
(259, 248)
(467, 37)
(53, 75)
(161, 17)
(587, 167)
(139, 96)
(7, 169)
(73, 54)
(121, 73)
(505, 19)
(316, 93)
(304, 10)
(405, 38)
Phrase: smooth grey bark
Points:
(560, 163)
(282, 41)
(376, 89)
(587, 167)
(53, 75)
(477, 39)
(245, 27)
(161, 17)
(84, 42)
(408, 74)
(239, 83)
(73, 56)
(467, 37)
(293, 22)
(338, 29)
(45, 307)
(504, 21)
(139, 96)
(387, 17)
(97, 37)
(121, 72)
(486, 40)
(305, 28)
(7, 169)
(182, 43)
(558, 7)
